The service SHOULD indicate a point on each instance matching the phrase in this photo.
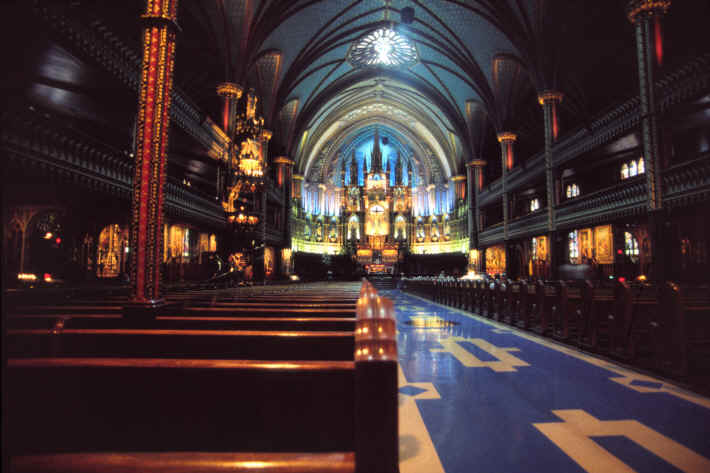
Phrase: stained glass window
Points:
(625, 171)
(633, 168)
(572, 191)
(383, 47)
(631, 245)
(573, 247)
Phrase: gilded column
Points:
(160, 27)
(475, 184)
(506, 140)
(549, 100)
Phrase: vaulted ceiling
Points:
(480, 65)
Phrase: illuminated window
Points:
(186, 244)
(631, 246)
(534, 204)
(625, 171)
(572, 191)
(573, 247)
(383, 47)
(632, 168)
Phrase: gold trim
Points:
(549, 96)
(650, 7)
(283, 160)
(507, 136)
(230, 89)
(477, 163)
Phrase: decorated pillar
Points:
(284, 181)
(475, 184)
(506, 140)
(646, 16)
(156, 81)
(549, 100)
(230, 93)
(264, 138)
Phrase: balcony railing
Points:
(682, 84)
(491, 234)
(687, 182)
(34, 139)
(532, 224)
(625, 198)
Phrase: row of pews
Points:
(271, 379)
(664, 327)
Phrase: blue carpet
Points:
(484, 421)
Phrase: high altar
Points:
(379, 213)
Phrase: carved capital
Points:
(646, 8)
(230, 89)
(549, 96)
(507, 137)
(477, 163)
(284, 160)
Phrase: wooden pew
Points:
(516, 290)
(523, 305)
(536, 309)
(611, 309)
(688, 318)
(199, 391)
(109, 321)
(139, 343)
(499, 299)
(145, 405)
(488, 299)
(468, 296)
(643, 339)
(574, 314)
(164, 462)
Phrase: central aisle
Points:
(489, 398)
